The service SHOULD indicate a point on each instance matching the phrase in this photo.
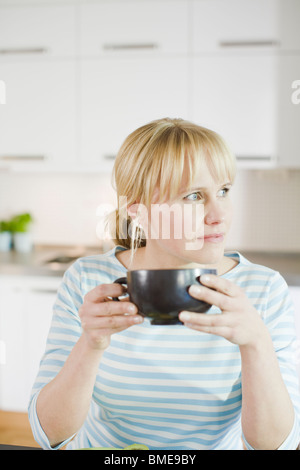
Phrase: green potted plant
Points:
(5, 235)
(20, 228)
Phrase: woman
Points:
(108, 378)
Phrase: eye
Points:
(224, 191)
(197, 196)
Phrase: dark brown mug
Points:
(161, 294)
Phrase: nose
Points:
(214, 212)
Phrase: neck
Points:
(148, 257)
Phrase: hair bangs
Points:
(182, 153)
(205, 147)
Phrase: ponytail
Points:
(125, 231)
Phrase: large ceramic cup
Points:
(160, 294)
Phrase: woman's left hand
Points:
(239, 321)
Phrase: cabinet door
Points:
(289, 111)
(39, 307)
(13, 366)
(120, 95)
(233, 25)
(38, 121)
(25, 316)
(295, 295)
(34, 31)
(236, 96)
(134, 27)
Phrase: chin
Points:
(211, 254)
(205, 255)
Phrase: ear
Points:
(138, 212)
(132, 210)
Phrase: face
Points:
(192, 228)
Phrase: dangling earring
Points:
(139, 233)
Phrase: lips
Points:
(213, 238)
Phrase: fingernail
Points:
(205, 278)
(185, 316)
(131, 309)
(138, 319)
(194, 289)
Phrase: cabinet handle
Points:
(21, 158)
(23, 50)
(265, 158)
(249, 43)
(43, 291)
(109, 156)
(129, 47)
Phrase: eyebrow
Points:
(203, 188)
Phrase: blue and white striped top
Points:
(168, 387)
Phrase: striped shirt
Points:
(168, 387)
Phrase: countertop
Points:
(40, 261)
(10, 447)
(288, 264)
(37, 263)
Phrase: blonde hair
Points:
(154, 156)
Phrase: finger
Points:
(111, 308)
(220, 284)
(204, 320)
(118, 308)
(212, 297)
(113, 322)
(102, 291)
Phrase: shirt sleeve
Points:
(64, 332)
(279, 317)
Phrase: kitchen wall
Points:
(267, 216)
(64, 207)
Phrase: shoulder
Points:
(90, 271)
(262, 284)
(249, 270)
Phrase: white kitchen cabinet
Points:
(39, 303)
(246, 58)
(12, 367)
(237, 98)
(248, 100)
(131, 27)
(80, 76)
(37, 30)
(295, 295)
(38, 122)
(243, 25)
(117, 96)
(288, 111)
(25, 317)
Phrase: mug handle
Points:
(121, 280)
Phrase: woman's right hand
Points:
(101, 316)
